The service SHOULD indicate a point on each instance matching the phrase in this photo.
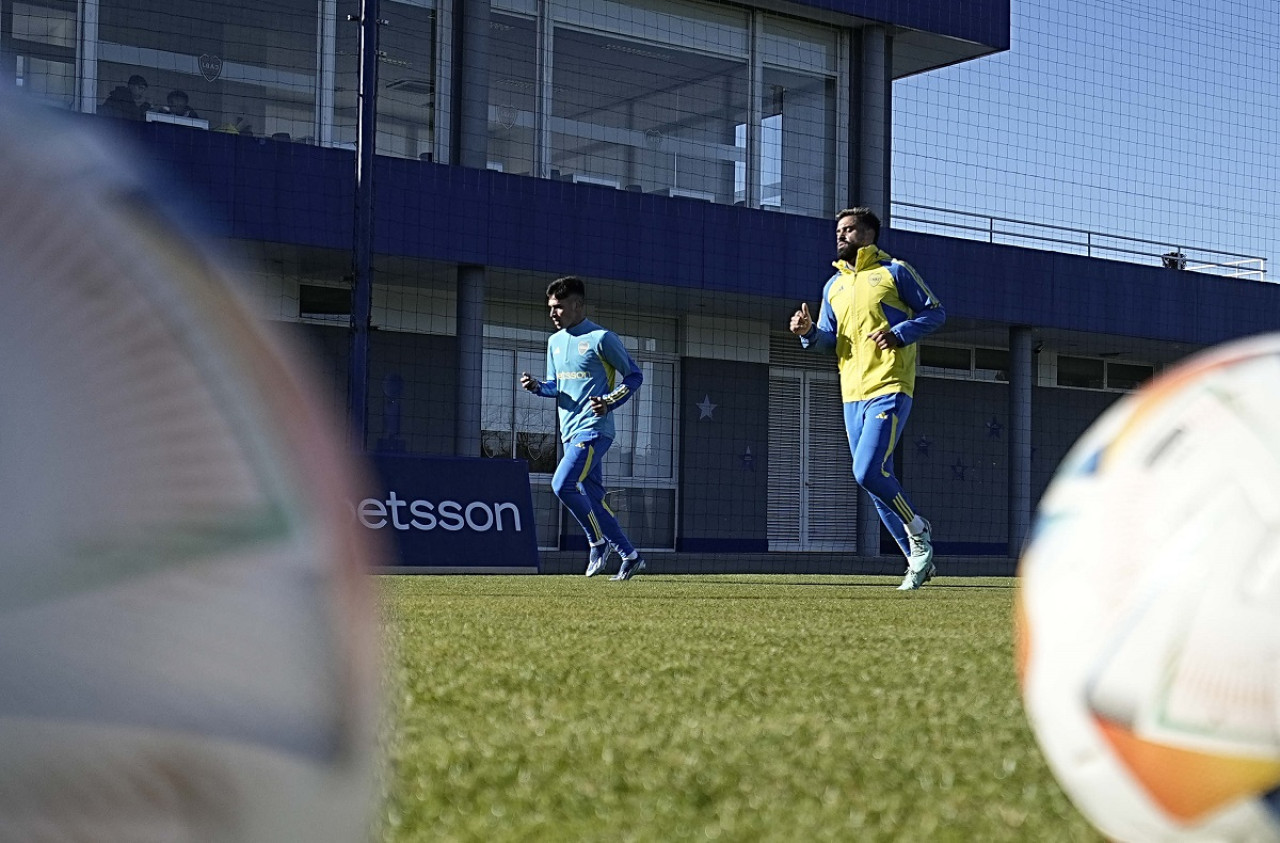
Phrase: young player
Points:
(584, 363)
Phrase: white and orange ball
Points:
(1149, 606)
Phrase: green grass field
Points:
(667, 708)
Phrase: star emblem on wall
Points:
(958, 468)
(749, 460)
(706, 409)
(922, 445)
(993, 428)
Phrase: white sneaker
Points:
(630, 567)
(920, 567)
(598, 556)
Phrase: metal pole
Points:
(362, 254)
(471, 105)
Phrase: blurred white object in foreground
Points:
(187, 648)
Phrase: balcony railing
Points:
(930, 220)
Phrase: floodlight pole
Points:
(362, 252)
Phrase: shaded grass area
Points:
(729, 708)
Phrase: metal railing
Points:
(927, 219)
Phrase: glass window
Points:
(516, 424)
(406, 79)
(1128, 375)
(39, 38)
(797, 143)
(50, 23)
(644, 444)
(635, 111)
(648, 515)
(1084, 372)
(952, 360)
(288, 70)
(991, 364)
(798, 123)
(512, 93)
(244, 68)
(656, 96)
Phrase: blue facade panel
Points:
(1016, 286)
(981, 21)
(257, 189)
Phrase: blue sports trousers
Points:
(874, 427)
(579, 484)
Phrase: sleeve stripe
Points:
(933, 300)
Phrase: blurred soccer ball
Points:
(1149, 607)
(186, 643)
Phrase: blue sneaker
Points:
(630, 567)
(599, 556)
(920, 567)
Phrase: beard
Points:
(847, 252)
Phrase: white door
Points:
(813, 498)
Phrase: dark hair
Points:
(864, 215)
(177, 93)
(570, 285)
(135, 79)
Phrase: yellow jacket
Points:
(877, 292)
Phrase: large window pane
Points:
(642, 116)
(546, 512)
(647, 515)
(288, 69)
(645, 446)
(535, 417)
(1086, 372)
(654, 96)
(406, 79)
(40, 38)
(245, 67)
(798, 143)
(798, 124)
(516, 424)
(497, 408)
(1128, 375)
(512, 92)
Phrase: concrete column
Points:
(467, 400)
(471, 83)
(873, 121)
(1021, 385)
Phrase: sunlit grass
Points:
(787, 708)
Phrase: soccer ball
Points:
(1148, 606)
(187, 641)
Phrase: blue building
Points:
(686, 158)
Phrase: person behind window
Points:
(127, 102)
(178, 104)
(584, 362)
